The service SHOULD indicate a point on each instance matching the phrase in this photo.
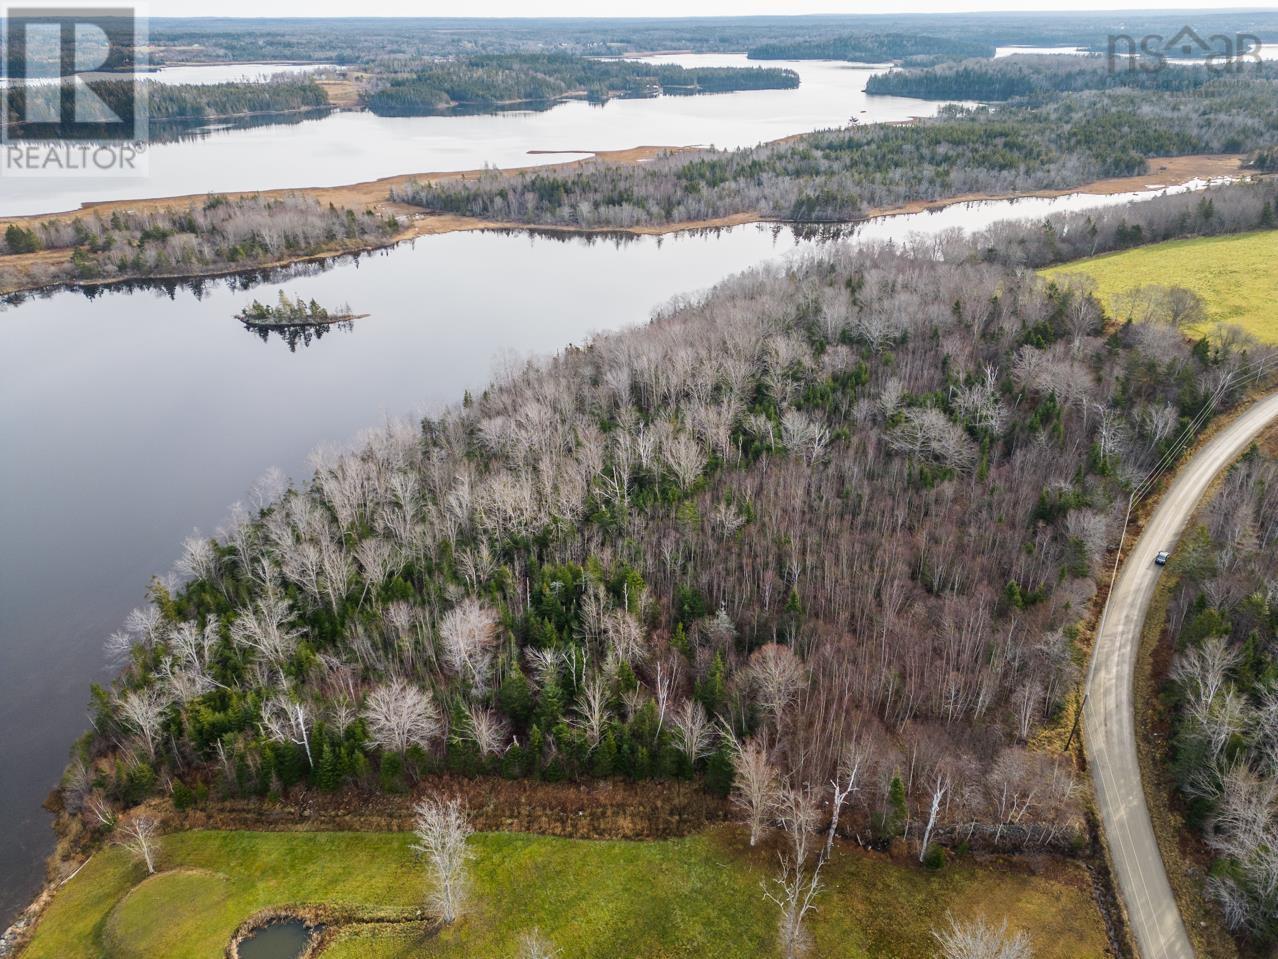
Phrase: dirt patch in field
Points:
(342, 94)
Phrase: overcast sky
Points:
(634, 8)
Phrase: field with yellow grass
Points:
(1237, 277)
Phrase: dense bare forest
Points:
(1223, 690)
(839, 175)
(836, 520)
(212, 236)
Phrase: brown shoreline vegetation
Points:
(375, 196)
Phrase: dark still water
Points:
(129, 419)
(286, 939)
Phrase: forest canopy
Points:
(854, 504)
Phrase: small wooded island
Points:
(288, 313)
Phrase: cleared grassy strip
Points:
(1237, 276)
(700, 896)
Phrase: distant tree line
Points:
(1021, 76)
(872, 48)
(840, 175)
(490, 80)
(362, 40)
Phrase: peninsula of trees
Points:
(216, 235)
(491, 80)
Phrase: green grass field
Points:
(1237, 276)
(693, 897)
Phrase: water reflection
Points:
(190, 131)
(297, 334)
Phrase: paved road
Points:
(1109, 715)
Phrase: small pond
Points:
(284, 939)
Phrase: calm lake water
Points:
(131, 418)
(353, 147)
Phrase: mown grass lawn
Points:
(1237, 276)
(694, 897)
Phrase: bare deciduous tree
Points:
(468, 633)
(288, 721)
(143, 710)
(798, 880)
(533, 945)
(442, 830)
(487, 730)
(777, 675)
(140, 836)
(978, 939)
(844, 783)
(263, 627)
(400, 715)
(693, 731)
(755, 784)
(939, 789)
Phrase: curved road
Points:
(1110, 710)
